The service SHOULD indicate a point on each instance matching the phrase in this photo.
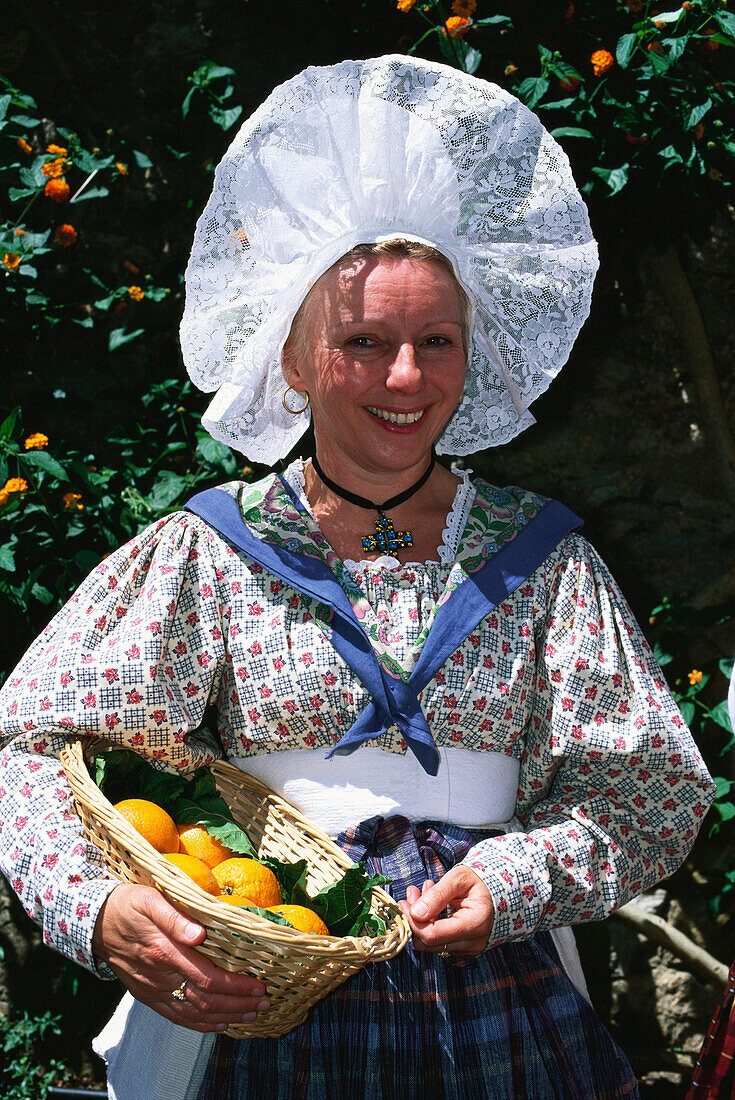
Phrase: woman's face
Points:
(381, 356)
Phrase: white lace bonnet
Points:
(364, 150)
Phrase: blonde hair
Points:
(397, 248)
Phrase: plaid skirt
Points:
(508, 1025)
(714, 1073)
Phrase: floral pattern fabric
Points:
(612, 789)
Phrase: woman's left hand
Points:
(466, 931)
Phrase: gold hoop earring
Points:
(295, 412)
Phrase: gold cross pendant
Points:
(386, 538)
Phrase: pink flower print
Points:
(65, 679)
(111, 675)
(133, 697)
(82, 910)
(112, 720)
(90, 700)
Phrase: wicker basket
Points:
(297, 969)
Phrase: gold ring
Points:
(445, 952)
(179, 994)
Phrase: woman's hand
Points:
(466, 931)
(148, 944)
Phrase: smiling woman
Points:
(461, 698)
(378, 346)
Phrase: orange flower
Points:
(11, 261)
(56, 150)
(131, 267)
(53, 168)
(711, 45)
(698, 131)
(570, 83)
(569, 13)
(456, 27)
(65, 235)
(655, 47)
(405, 5)
(464, 8)
(601, 61)
(695, 676)
(136, 293)
(72, 502)
(714, 174)
(19, 232)
(58, 190)
(687, 5)
(36, 441)
(636, 139)
(23, 144)
(13, 485)
(122, 168)
(634, 6)
(510, 69)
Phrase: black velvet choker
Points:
(386, 538)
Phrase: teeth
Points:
(395, 418)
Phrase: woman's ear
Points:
(290, 368)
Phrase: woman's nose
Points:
(405, 374)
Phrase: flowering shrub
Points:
(61, 510)
(699, 693)
(66, 175)
(641, 98)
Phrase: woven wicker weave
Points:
(297, 969)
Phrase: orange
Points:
(196, 841)
(302, 918)
(151, 822)
(195, 869)
(233, 899)
(247, 878)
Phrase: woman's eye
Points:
(361, 342)
(437, 341)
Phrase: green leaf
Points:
(291, 878)
(167, 488)
(493, 20)
(274, 918)
(668, 16)
(41, 593)
(8, 424)
(5, 101)
(214, 72)
(721, 715)
(45, 462)
(532, 90)
(26, 120)
(615, 178)
(726, 21)
(185, 106)
(142, 160)
(16, 193)
(218, 823)
(658, 62)
(91, 193)
(224, 118)
(7, 561)
(472, 60)
(725, 665)
(344, 905)
(696, 114)
(687, 711)
(722, 786)
(212, 450)
(625, 49)
(120, 336)
(571, 131)
(176, 153)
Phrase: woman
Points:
(404, 247)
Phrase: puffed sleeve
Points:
(134, 656)
(612, 788)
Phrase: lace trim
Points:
(447, 549)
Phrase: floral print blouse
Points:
(612, 789)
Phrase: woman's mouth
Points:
(396, 417)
